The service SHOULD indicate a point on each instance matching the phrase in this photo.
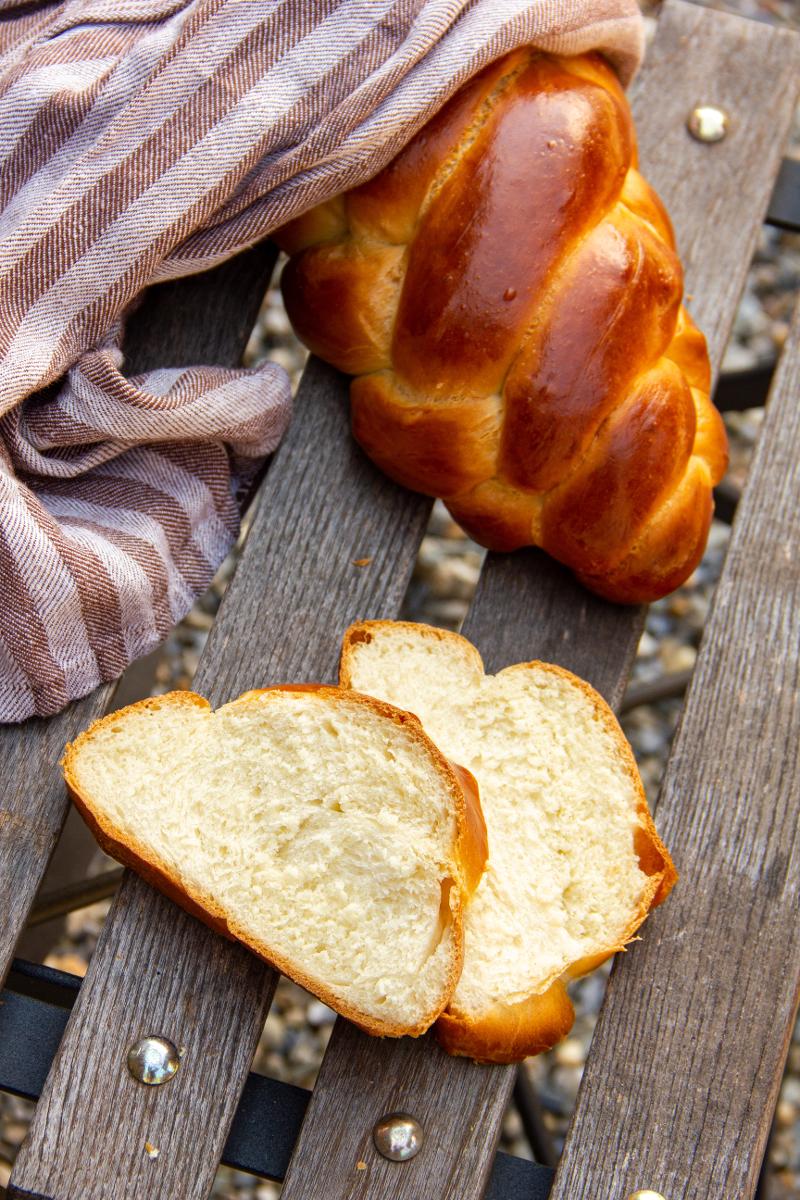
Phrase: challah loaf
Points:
(575, 863)
(508, 296)
(321, 828)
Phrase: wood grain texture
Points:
(459, 1105)
(717, 195)
(155, 970)
(687, 1059)
(527, 607)
(204, 319)
(332, 540)
(93, 1121)
(32, 809)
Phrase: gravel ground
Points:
(446, 573)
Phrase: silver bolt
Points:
(645, 1195)
(398, 1137)
(153, 1060)
(707, 123)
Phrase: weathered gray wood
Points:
(333, 539)
(371, 1081)
(155, 970)
(750, 70)
(204, 319)
(68, 869)
(529, 607)
(687, 1059)
(32, 809)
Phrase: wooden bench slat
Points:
(714, 191)
(204, 319)
(687, 1059)
(156, 970)
(323, 509)
(528, 607)
(32, 809)
(459, 1105)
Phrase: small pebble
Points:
(267, 1191)
(73, 964)
(14, 1132)
(676, 657)
(570, 1053)
(320, 1014)
(785, 1113)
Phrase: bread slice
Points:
(322, 829)
(575, 863)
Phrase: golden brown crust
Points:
(469, 859)
(507, 293)
(509, 1032)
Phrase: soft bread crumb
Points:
(563, 805)
(320, 827)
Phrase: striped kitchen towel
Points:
(142, 140)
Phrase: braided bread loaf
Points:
(508, 296)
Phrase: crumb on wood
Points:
(361, 562)
(151, 1150)
(361, 1165)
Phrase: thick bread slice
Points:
(575, 863)
(321, 828)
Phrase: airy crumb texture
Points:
(574, 861)
(321, 828)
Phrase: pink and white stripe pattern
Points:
(142, 140)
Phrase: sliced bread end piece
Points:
(321, 828)
(508, 1033)
(575, 863)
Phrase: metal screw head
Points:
(398, 1137)
(645, 1195)
(707, 123)
(153, 1060)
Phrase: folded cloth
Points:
(142, 140)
